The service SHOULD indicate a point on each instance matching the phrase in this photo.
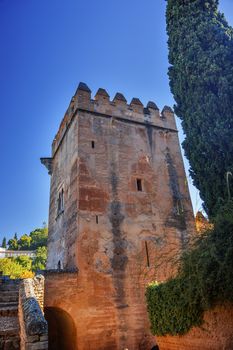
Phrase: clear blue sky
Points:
(47, 47)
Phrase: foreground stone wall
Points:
(126, 215)
(38, 287)
(33, 326)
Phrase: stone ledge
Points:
(59, 272)
(37, 346)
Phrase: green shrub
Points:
(205, 278)
(12, 268)
(171, 308)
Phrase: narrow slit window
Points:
(147, 255)
(139, 185)
(97, 219)
(62, 199)
(179, 207)
(60, 202)
(92, 144)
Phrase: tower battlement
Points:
(101, 105)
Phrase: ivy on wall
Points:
(205, 279)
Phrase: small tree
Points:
(24, 242)
(39, 237)
(4, 242)
(39, 263)
(13, 244)
(10, 267)
(24, 261)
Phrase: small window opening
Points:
(179, 207)
(139, 185)
(97, 219)
(92, 144)
(147, 255)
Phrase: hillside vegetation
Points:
(24, 266)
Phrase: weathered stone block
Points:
(33, 338)
(43, 337)
(37, 346)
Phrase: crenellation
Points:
(101, 101)
(136, 105)
(117, 107)
(102, 95)
(119, 97)
(152, 105)
(167, 112)
(167, 109)
(168, 116)
(83, 87)
(153, 114)
(82, 96)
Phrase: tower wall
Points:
(126, 216)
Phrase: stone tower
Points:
(120, 212)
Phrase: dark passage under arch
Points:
(62, 332)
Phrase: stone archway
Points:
(62, 332)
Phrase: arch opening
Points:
(61, 327)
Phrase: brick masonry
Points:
(127, 215)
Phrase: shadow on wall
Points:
(62, 332)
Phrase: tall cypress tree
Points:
(4, 242)
(201, 79)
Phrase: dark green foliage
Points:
(24, 266)
(13, 244)
(39, 237)
(169, 307)
(24, 243)
(12, 268)
(39, 263)
(4, 242)
(24, 261)
(201, 79)
(205, 279)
